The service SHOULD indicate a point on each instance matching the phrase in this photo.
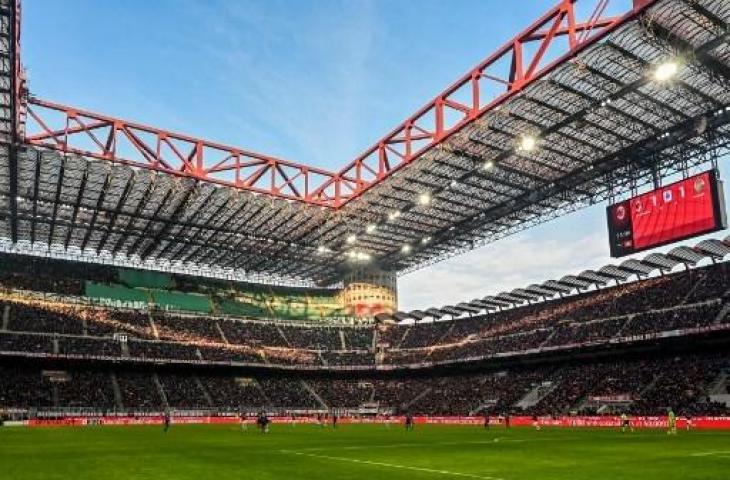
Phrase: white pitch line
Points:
(392, 465)
(416, 445)
(722, 453)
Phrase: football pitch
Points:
(355, 452)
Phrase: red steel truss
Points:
(553, 39)
(72, 130)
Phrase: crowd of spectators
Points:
(184, 392)
(637, 386)
(138, 392)
(667, 291)
(685, 300)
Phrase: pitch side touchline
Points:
(392, 465)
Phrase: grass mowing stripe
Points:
(392, 465)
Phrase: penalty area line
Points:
(392, 465)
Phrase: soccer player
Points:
(334, 420)
(506, 420)
(671, 422)
(486, 420)
(625, 423)
(409, 421)
(167, 420)
(263, 422)
(536, 423)
(244, 424)
(689, 423)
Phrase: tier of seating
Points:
(140, 288)
(688, 301)
(646, 387)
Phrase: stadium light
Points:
(528, 143)
(322, 249)
(351, 239)
(666, 71)
(356, 256)
(488, 165)
(425, 240)
(394, 215)
(371, 228)
(424, 199)
(406, 248)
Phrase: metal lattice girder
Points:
(660, 261)
(541, 291)
(686, 255)
(602, 126)
(418, 314)
(507, 297)
(636, 267)
(713, 248)
(450, 310)
(465, 307)
(102, 209)
(107, 138)
(594, 277)
(401, 316)
(73, 130)
(385, 317)
(434, 313)
(557, 287)
(573, 281)
(524, 294)
(496, 302)
(477, 303)
(614, 272)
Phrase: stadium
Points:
(176, 307)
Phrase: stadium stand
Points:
(645, 387)
(525, 355)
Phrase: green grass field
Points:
(356, 452)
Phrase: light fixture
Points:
(356, 256)
(528, 143)
(488, 165)
(371, 228)
(425, 240)
(406, 248)
(394, 215)
(666, 71)
(424, 199)
(322, 249)
(351, 239)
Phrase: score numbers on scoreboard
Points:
(684, 209)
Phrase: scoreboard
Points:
(687, 208)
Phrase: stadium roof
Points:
(534, 293)
(590, 111)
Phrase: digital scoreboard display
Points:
(693, 206)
